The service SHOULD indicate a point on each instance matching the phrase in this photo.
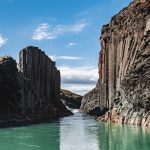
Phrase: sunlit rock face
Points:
(124, 56)
(30, 92)
(124, 63)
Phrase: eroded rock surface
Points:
(32, 92)
(124, 65)
(91, 103)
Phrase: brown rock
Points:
(70, 99)
(124, 65)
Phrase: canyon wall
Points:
(91, 102)
(124, 54)
(124, 65)
(31, 92)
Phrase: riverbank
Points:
(126, 113)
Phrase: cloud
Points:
(43, 31)
(79, 75)
(71, 44)
(54, 57)
(79, 80)
(80, 89)
(3, 40)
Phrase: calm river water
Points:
(78, 132)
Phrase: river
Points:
(77, 132)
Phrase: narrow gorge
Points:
(122, 91)
(83, 83)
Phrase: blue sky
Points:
(67, 30)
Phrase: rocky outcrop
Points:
(9, 87)
(70, 99)
(32, 92)
(124, 65)
(124, 40)
(91, 102)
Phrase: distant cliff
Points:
(91, 102)
(70, 99)
(32, 92)
(124, 65)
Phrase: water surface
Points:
(78, 132)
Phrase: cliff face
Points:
(9, 87)
(70, 99)
(124, 65)
(31, 93)
(91, 102)
(124, 55)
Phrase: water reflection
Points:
(118, 137)
(78, 132)
(36, 137)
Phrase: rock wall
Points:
(91, 102)
(41, 80)
(32, 92)
(9, 87)
(124, 67)
(124, 40)
(124, 64)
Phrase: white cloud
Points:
(80, 89)
(3, 40)
(44, 31)
(78, 27)
(78, 75)
(71, 44)
(80, 79)
(54, 57)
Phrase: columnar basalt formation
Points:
(32, 92)
(41, 80)
(124, 65)
(125, 48)
(91, 103)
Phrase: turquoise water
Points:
(78, 132)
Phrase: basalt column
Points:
(125, 55)
(124, 64)
(41, 81)
(123, 41)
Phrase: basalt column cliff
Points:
(124, 65)
(32, 92)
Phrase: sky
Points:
(67, 30)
